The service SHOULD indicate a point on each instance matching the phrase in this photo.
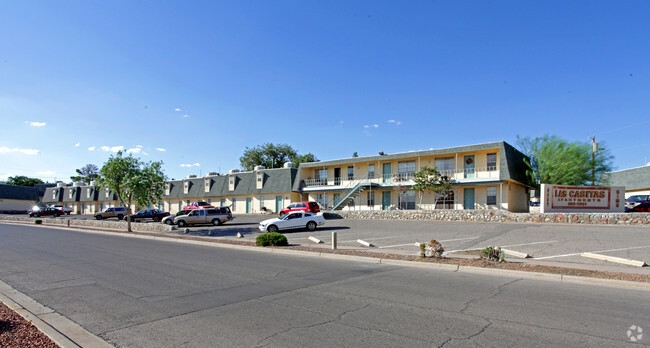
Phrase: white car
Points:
(296, 219)
(62, 208)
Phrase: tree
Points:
(21, 180)
(553, 160)
(86, 174)
(272, 156)
(429, 178)
(355, 154)
(132, 180)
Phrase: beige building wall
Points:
(518, 198)
(16, 204)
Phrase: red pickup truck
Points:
(198, 205)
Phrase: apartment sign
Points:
(606, 199)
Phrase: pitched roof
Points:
(633, 178)
(17, 192)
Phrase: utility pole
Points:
(594, 148)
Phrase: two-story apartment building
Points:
(483, 176)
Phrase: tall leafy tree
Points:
(272, 156)
(22, 180)
(132, 180)
(430, 179)
(553, 160)
(86, 174)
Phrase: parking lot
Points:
(543, 242)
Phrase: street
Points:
(145, 293)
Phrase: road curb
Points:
(61, 330)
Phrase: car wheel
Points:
(216, 222)
(68, 213)
(56, 215)
(311, 225)
(98, 217)
(169, 221)
(182, 223)
(272, 228)
(156, 219)
(120, 217)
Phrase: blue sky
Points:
(194, 83)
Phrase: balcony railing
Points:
(452, 174)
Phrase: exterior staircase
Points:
(353, 193)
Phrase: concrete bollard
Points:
(333, 240)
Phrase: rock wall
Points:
(108, 224)
(496, 216)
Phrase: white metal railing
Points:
(452, 174)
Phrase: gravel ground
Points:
(15, 331)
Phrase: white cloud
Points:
(92, 148)
(375, 125)
(397, 123)
(46, 173)
(134, 150)
(366, 126)
(190, 165)
(161, 149)
(4, 150)
(186, 116)
(140, 146)
(77, 144)
(178, 109)
(36, 124)
(112, 149)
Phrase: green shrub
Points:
(271, 239)
(493, 254)
(38, 222)
(423, 250)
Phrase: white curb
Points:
(614, 259)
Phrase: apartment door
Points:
(278, 203)
(337, 176)
(469, 166)
(249, 205)
(468, 198)
(337, 198)
(385, 200)
(386, 173)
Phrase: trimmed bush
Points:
(38, 222)
(271, 239)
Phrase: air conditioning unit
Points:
(213, 174)
(259, 167)
(233, 171)
(191, 176)
(288, 165)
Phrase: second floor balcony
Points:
(454, 175)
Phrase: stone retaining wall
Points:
(496, 216)
(118, 225)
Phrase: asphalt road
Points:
(146, 293)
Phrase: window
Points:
(407, 200)
(491, 195)
(167, 187)
(186, 187)
(371, 171)
(321, 198)
(491, 162)
(321, 176)
(406, 170)
(350, 172)
(206, 183)
(222, 202)
(445, 202)
(231, 183)
(234, 204)
(260, 180)
(261, 199)
(445, 166)
(371, 199)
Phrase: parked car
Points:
(215, 216)
(296, 219)
(198, 205)
(639, 208)
(62, 208)
(169, 220)
(116, 212)
(154, 214)
(632, 201)
(45, 212)
(311, 207)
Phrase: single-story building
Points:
(636, 180)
